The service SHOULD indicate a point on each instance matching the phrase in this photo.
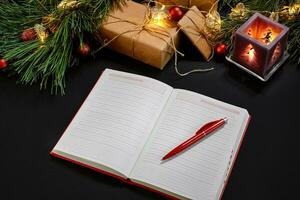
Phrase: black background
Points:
(32, 121)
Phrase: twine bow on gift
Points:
(211, 23)
(147, 25)
(200, 33)
(154, 30)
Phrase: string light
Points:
(291, 11)
(41, 32)
(239, 11)
(51, 22)
(159, 16)
(294, 9)
(274, 16)
(68, 4)
(213, 21)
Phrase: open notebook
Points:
(129, 122)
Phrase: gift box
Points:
(202, 5)
(130, 32)
(193, 25)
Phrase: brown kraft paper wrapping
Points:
(193, 25)
(125, 34)
(201, 4)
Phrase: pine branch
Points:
(68, 27)
(267, 5)
(294, 39)
(11, 24)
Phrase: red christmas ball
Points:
(84, 49)
(28, 34)
(3, 63)
(221, 49)
(175, 13)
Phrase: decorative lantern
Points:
(259, 46)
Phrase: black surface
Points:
(32, 121)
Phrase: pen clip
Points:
(208, 125)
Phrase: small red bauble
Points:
(28, 34)
(175, 13)
(84, 49)
(3, 63)
(221, 49)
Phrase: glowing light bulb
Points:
(213, 21)
(43, 37)
(159, 17)
(41, 32)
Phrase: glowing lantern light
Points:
(259, 44)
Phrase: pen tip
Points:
(166, 157)
(225, 119)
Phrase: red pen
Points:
(201, 133)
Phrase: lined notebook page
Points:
(199, 172)
(115, 121)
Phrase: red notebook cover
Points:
(130, 182)
(126, 180)
(143, 186)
